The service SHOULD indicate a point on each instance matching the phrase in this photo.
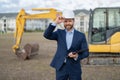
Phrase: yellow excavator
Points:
(104, 35)
(49, 13)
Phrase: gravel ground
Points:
(37, 68)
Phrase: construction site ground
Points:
(37, 68)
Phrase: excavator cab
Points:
(104, 32)
(104, 25)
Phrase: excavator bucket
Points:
(28, 51)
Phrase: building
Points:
(36, 24)
(7, 22)
(82, 20)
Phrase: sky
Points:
(16, 5)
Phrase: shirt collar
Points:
(72, 31)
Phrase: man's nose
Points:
(67, 22)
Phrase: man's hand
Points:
(73, 55)
(59, 19)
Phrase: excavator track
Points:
(104, 59)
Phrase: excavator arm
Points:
(21, 19)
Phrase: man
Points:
(67, 60)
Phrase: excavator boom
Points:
(21, 19)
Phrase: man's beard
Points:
(69, 27)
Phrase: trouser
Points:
(66, 73)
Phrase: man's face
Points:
(68, 23)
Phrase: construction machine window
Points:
(99, 23)
(114, 18)
(105, 23)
